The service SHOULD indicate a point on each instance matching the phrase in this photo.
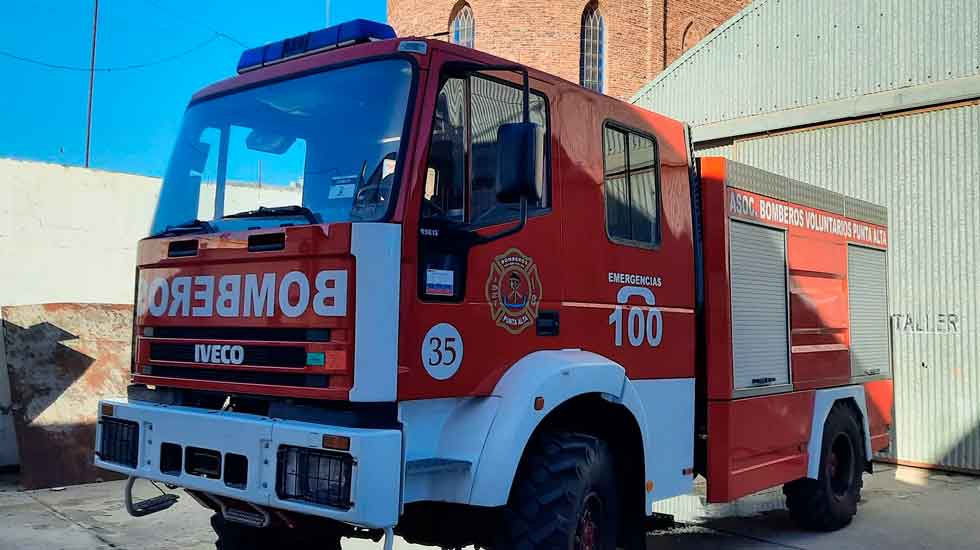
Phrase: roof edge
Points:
(881, 103)
(694, 50)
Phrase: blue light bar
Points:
(357, 31)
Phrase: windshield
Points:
(328, 142)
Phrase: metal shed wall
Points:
(876, 99)
(777, 55)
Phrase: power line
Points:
(160, 61)
(186, 19)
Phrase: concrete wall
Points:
(66, 235)
(69, 235)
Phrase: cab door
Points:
(478, 307)
(628, 239)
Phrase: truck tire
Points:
(235, 536)
(830, 502)
(564, 496)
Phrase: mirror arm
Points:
(506, 232)
(527, 96)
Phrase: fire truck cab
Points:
(474, 303)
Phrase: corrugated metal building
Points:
(879, 100)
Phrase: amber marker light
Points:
(336, 442)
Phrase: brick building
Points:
(614, 46)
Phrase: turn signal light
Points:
(108, 410)
(336, 442)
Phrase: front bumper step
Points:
(148, 506)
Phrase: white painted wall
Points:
(69, 234)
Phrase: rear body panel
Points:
(759, 428)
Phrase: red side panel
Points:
(818, 310)
(717, 299)
(761, 442)
(880, 395)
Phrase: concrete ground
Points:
(902, 509)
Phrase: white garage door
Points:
(760, 332)
(868, 304)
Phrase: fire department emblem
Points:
(513, 291)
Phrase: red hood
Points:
(248, 312)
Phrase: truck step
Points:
(436, 465)
(148, 506)
(153, 505)
(252, 519)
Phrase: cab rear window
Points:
(632, 186)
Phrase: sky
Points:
(180, 46)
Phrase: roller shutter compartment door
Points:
(867, 299)
(760, 331)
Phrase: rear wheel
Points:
(564, 496)
(235, 536)
(830, 502)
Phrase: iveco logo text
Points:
(246, 295)
(218, 354)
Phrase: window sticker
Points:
(343, 187)
(439, 282)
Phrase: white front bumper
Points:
(375, 480)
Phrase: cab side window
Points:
(445, 185)
(461, 181)
(632, 187)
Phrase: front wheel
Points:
(564, 496)
(830, 502)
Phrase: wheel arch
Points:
(824, 401)
(578, 391)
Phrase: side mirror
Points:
(197, 156)
(520, 162)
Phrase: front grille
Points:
(120, 441)
(260, 356)
(240, 333)
(244, 377)
(318, 477)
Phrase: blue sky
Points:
(136, 112)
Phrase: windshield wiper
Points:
(272, 212)
(192, 226)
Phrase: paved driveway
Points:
(902, 509)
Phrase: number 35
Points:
(443, 351)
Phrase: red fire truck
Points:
(473, 303)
